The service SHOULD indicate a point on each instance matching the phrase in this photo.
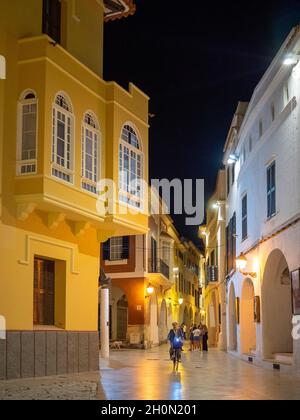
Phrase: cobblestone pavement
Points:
(69, 387)
(134, 375)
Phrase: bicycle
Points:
(176, 358)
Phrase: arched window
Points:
(62, 143)
(130, 168)
(27, 137)
(90, 148)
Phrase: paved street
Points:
(148, 375)
(67, 387)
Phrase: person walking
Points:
(196, 338)
(192, 339)
(205, 339)
(183, 327)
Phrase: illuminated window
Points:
(62, 142)
(90, 146)
(130, 168)
(27, 137)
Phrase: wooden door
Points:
(44, 288)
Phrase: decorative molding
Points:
(54, 220)
(24, 210)
(79, 228)
(73, 250)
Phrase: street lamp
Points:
(232, 159)
(180, 301)
(291, 60)
(150, 290)
(241, 263)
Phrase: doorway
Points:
(44, 292)
(122, 319)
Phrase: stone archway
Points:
(277, 307)
(163, 327)
(170, 316)
(153, 311)
(248, 325)
(232, 320)
(118, 314)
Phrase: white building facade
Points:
(262, 159)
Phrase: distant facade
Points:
(214, 291)
(165, 263)
(262, 156)
(62, 129)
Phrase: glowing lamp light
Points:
(232, 159)
(291, 60)
(241, 262)
(216, 206)
(150, 290)
(180, 301)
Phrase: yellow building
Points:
(62, 129)
(214, 292)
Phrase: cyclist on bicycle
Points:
(176, 339)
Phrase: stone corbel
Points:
(54, 219)
(104, 236)
(80, 227)
(24, 210)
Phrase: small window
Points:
(273, 112)
(116, 249)
(228, 180)
(250, 144)
(286, 93)
(261, 128)
(27, 142)
(271, 190)
(233, 173)
(244, 217)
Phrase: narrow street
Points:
(133, 375)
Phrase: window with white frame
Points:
(90, 153)
(244, 217)
(130, 168)
(27, 137)
(116, 249)
(62, 143)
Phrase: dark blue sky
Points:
(195, 62)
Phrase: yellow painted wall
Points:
(33, 63)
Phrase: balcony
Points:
(212, 275)
(159, 273)
(41, 187)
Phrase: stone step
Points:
(286, 358)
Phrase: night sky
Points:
(195, 60)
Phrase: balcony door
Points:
(44, 288)
(52, 19)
